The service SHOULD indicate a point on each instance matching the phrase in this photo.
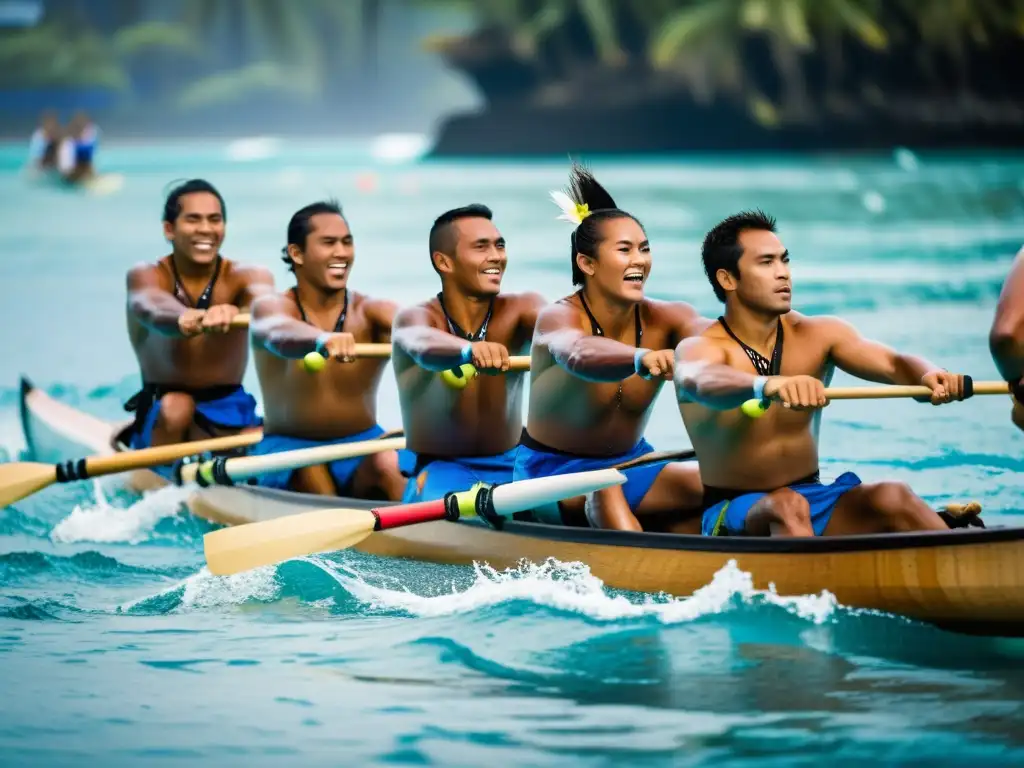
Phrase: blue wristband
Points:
(466, 356)
(759, 383)
(642, 372)
(321, 343)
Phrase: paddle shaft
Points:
(164, 454)
(383, 351)
(223, 471)
(873, 393)
(441, 509)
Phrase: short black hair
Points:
(722, 249)
(172, 205)
(300, 225)
(442, 234)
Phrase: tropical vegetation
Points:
(193, 52)
(785, 59)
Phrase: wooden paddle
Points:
(240, 548)
(224, 471)
(516, 362)
(380, 351)
(757, 408)
(23, 478)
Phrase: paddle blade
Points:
(243, 547)
(23, 478)
(527, 494)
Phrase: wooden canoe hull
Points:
(969, 580)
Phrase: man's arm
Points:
(1006, 337)
(258, 281)
(429, 347)
(381, 314)
(702, 375)
(153, 305)
(274, 328)
(873, 361)
(591, 358)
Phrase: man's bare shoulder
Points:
(528, 300)
(149, 273)
(817, 326)
(357, 299)
(377, 309)
(246, 274)
(676, 313)
(425, 313)
(563, 308)
(714, 334)
(275, 304)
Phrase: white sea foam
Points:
(104, 522)
(573, 588)
(204, 590)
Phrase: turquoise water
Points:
(116, 646)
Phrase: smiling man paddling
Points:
(179, 323)
(462, 436)
(339, 403)
(600, 357)
(1006, 338)
(761, 476)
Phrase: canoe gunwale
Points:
(679, 541)
(727, 545)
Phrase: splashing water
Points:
(104, 522)
(204, 590)
(571, 587)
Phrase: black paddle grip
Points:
(71, 471)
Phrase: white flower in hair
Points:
(572, 211)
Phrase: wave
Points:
(553, 587)
(139, 522)
(570, 588)
(15, 522)
(23, 609)
(91, 564)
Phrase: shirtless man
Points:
(338, 404)
(179, 313)
(761, 476)
(600, 357)
(460, 437)
(1006, 339)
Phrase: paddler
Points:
(462, 432)
(761, 475)
(600, 357)
(337, 404)
(179, 313)
(46, 138)
(77, 149)
(1006, 338)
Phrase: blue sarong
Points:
(431, 477)
(227, 408)
(537, 460)
(342, 471)
(733, 512)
